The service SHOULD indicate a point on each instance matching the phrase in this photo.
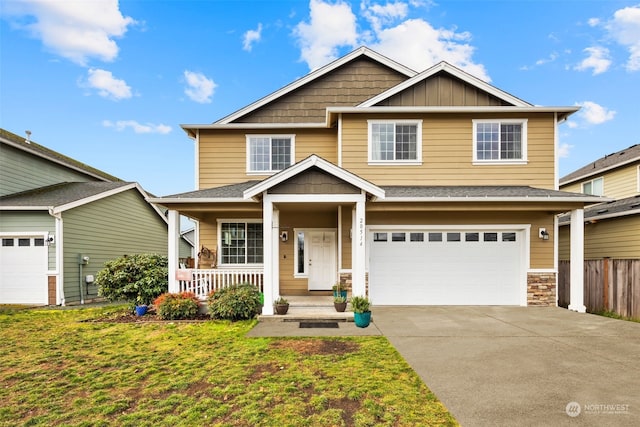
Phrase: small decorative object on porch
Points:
(281, 305)
(340, 303)
(361, 311)
(338, 290)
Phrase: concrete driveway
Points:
(521, 366)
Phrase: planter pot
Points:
(340, 294)
(340, 306)
(362, 320)
(141, 310)
(282, 308)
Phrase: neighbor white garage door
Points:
(445, 267)
(23, 270)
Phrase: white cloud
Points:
(107, 85)
(593, 22)
(593, 113)
(331, 26)
(625, 29)
(412, 42)
(76, 30)
(564, 150)
(597, 60)
(121, 125)
(251, 37)
(199, 88)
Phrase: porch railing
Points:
(204, 281)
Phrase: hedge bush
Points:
(183, 305)
(138, 279)
(236, 302)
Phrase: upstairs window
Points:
(395, 141)
(595, 187)
(268, 154)
(501, 141)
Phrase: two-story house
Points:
(61, 220)
(412, 188)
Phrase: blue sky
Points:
(109, 82)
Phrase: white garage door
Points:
(445, 267)
(23, 270)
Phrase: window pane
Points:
(254, 243)
(406, 142)
(300, 243)
(38, 242)
(259, 154)
(417, 237)
(398, 237)
(487, 139)
(472, 237)
(453, 237)
(233, 243)
(7, 242)
(24, 242)
(435, 237)
(597, 188)
(490, 237)
(379, 237)
(280, 153)
(510, 141)
(508, 237)
(382, 137)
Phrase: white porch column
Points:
(577, 261)
(275, 252)
(358, 248)
(174, 249)
(267, 244)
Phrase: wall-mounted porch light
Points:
(543, 234)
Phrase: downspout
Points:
(340, 140)
(80, 263)
(58, 257)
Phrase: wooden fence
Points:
(609, 284)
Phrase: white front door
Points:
(322, 260)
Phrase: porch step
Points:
(316, 308)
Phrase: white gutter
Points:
(586, 199)
(162, 201)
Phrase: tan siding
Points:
(350, 85)
(223, 159)
(541, 251)
(613, 238)
(346, 237)
(447, 153)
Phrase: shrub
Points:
(236, 302)
(183, 305)
(138, 278)
(360, 304)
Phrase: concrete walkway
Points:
(511, 366)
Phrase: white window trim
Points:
(248, 137)
(591, 181)
(222, 266)
(416, 162)
(523, 161)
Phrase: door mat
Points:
(329, 325)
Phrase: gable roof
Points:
(310, 162)
(608, 210)
(603, 164)
(360, 52)
(454, 71)
(68, 195)
(38, 150)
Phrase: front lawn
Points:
(56, 368)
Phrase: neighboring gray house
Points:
(61, 220)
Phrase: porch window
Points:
(241, 243)
(269, 153)
(395, 141)
(503, 141)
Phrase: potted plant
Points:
(338, 291)
(340, 303)
(361, 311)
(281, 305)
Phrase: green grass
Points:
(614, 315)
(57, 370)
